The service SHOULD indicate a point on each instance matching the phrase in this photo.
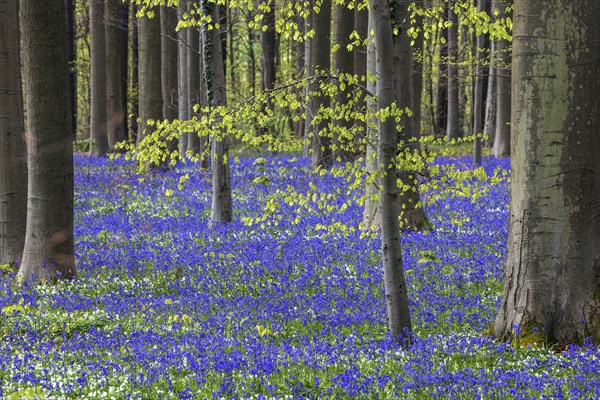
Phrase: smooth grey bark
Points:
(13, 155)
(115, 112)
(320, 61)
(298, 55)
(268, 46)
(168, 48)
(478, 89)
(214, 70)
(452, 129)
(183, 112)
(48, 250)
(195, 85)
(361, 22)
(124, 55)
(441, 98)
(150, 88)
(371, 211)
(70, 18)
(396, 293)
(417, 92)
(412, 214)
(342, 63)
(309, 71)
(503, 89)
(135, 74)
(552, 278)
(489, 127)
(98, 114)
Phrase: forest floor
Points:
(167, 307)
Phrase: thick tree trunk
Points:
(342, 63)
(452, 130)
(221, 204)
(98, 114)
(183, 113)
(48, 250)
(70, 16)
(371, 212)
(300, 66)
(168, 48)
(478, 90)
(417, 92)
(321, 61)
(503, 89)
(13, 155)
(396, 293)
(552, 281)
(115, 111)
(150, 83)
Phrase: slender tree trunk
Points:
(321, 61)
(300, 67)
(478, 90)
(503, 82)
(115, 111)
(371, 212)
(361, 22)
(48, 250)
(70, 15)
(441, 105)
(552, 278)
(124, 56)
(135, 74)
(396, 292)
(490, 104)
(309, 70)
(268, 45)
(221, 204)
(98, 114)
(412, 214)
(168, 47)
(417, 93)
(452, 130)
(150, 88)
(182, 77)
(13, 155)
(195, 86)
(342, 63)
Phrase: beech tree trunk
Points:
(135, 74)
(183, 113)
(489, 127)
(321, 61)
(309, 70)
(268, 52)
(396, 293)
(150, 89)
(70, 17)
(452, 130)
(48, 250)
(115, 111)
(552, 281)
(13, 155)
(124, 55)
(478, 90)
(342, 63)
(195, 86)
(98, 114)
(214, 68)
(412, 214)
(417, 92)
(503, 89)
(361, 22)
(371, 212)
(441, 102)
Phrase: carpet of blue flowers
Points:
(167, 307)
